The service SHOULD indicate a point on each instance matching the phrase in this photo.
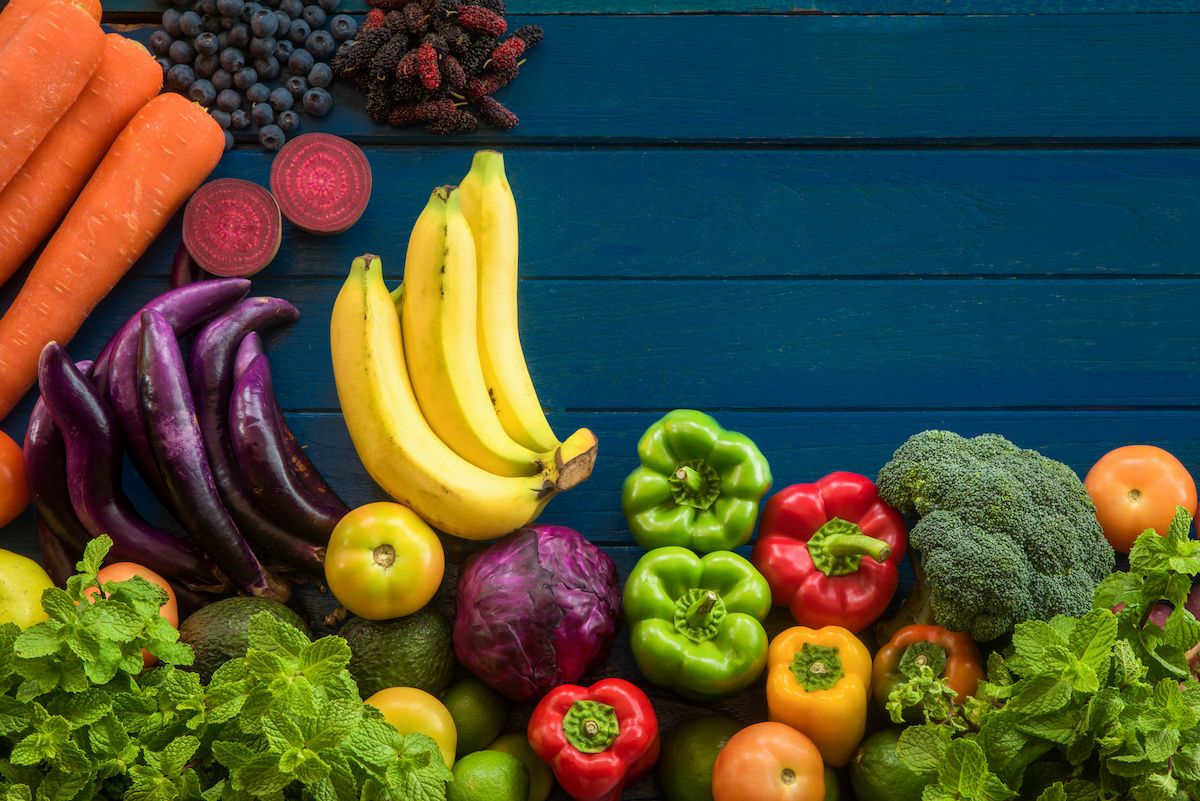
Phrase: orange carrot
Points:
(17, 11)
(43, 68)
(161, 157)
(47, 184)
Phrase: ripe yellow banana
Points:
(397, 446)
(488, 204)
(437, 317)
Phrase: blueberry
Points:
(228, 100)
(297, 85)
(160, 43)
(165, 64)
(180, 77)
(228, 141)
(262, 114)
(212, 23)
(206, 66)
(181, 52)
(343, 27)
(264, 23)
(270, 3)
(318, 102)
(268, 68)
(239, 36)
(314, 16)
(239, 120)
(321, 45)
(244, 78)
(261, 48)
(329, 6)
(284, 50)
(293, 8)
(228, 22)
(249, 10)
(301, 62)
(285, 21)
(281, 99)
(221, 79)
(321, 75)
(190, 24)
(222, 117)
(288, 121)
(222, 40)
(299, 31)
(203, 92)
(232, 59)
(206, 44)
(271, 137)
(230, 8)
(170, 21)
(208, 6)
(258, 93)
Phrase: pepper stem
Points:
(590, 726)
(817, 667)
(690, 479)
(837, 548)
(695, 483)
(698, 614)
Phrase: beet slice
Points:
(232, 227)
(322, 182)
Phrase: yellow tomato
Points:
(22, 581)
(123, 571)
(14, 492)
(383, 561)
(411, 710)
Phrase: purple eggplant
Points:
(210, 370)
(58, 562)
(94, 478)
(174, 434)
(115, 373)
(258, 434)
(184, 269)
(250, 349)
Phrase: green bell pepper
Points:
(698, 485)
(695, 622)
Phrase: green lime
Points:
(833, 788)
(877, 774)
(541, 778)
(489, 776)
(413, 651)
(688, 752)
(479, 714)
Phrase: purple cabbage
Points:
(538, 609)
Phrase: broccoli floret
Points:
(1005, 534)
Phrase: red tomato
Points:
(14, 492)
(1138, 487)
(768, 762)
(123, 571)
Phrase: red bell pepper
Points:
(596, 739)
(831, 551)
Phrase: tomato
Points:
(769, 762)
(1138, 487)
(383, 561)
(22, 582)
(123, 571)
(14, 492)
(411, 710)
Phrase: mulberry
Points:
(416, 19)
(495, 6)
(380, 100)
(355, 62)
(478, 54)
(480, 19)
(387, 5)
(387, 58)
(406, 70)
(531, 34)
(429, 110)
(374, 19)
(437, 40)
(457, 123)
(488, 83)
(453, 72)
(427, 67)
(507, 52)
(495, 114)
(458, 41)
(394, 22)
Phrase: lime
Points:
(688, 752)
(833, 788)
(479, 714)
(489, 776)
(877, 774)
(541, 778)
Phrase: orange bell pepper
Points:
(818, 681)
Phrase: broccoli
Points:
(1004, 534)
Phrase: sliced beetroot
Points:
(232, 227)
(322, 182)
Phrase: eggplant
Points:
(115, 373)
(184, 269)
(249, 350)
(210, 370)
(258, 434)
(57, 561)
(94, 479)
(170, 415)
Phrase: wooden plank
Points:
(788, 213)
(844, 79)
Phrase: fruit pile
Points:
(251, 63)
(436, 63)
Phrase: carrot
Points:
(161, 157)
(17, 11)
(48, 183)
(43, 68)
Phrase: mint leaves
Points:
(80, 718)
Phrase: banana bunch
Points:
(432, 379)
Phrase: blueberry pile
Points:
(253, 65)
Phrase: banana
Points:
(488, 204)
(397, 446)
(437, 318)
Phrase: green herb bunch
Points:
(80, 718)
(1096, 708)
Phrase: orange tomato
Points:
(14, 492)
(768, 762)
(1138, 487)
(123, 571)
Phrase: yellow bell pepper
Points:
(818, 682)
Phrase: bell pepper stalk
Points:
(817, 683)
(924, 672)
(698, 485)
(696, 622)
(596, 739)
(831, 551)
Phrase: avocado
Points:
(218, 632)
(413, 651)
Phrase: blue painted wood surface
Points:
(832, 230)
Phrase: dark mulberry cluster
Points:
(436, 63)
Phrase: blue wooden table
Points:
(831, 223)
